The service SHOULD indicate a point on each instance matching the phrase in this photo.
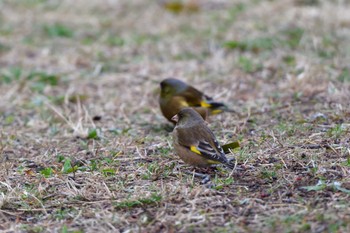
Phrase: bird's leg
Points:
(205, 177)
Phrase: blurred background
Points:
(242, 45)
(83, 143)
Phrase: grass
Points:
(83, 144)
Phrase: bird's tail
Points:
(217, 107)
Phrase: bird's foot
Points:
(205, 177)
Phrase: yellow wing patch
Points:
(183, 103)
(205, 104)
(195, 150)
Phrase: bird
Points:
(195, 143)
(176, 94)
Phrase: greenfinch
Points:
(175, 95)
(194, 142)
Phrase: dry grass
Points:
(84, 146)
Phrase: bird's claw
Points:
(206, 179)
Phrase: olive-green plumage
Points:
(175, 95)
(194, 142)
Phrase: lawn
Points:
(83, 144)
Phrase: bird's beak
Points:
(175, 118)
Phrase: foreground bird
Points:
(176, 95)
(194, 142)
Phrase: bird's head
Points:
(171, 86)
(187, 116)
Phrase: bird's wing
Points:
(196, 98)
(208, 151)
(216, 107)
(178, 102)
(192, 96)
(197, 144)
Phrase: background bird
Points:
(194, 142)
(176, 95)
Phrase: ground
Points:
(83, 144)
